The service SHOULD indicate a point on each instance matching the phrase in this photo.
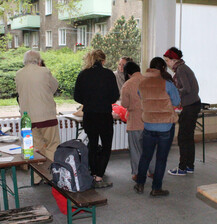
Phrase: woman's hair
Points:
(160, 64)
(126, 58)
(92, 57)
(42, 63)
(32, 57)
(173, 53)
(130, 68)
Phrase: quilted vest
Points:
(156, 103)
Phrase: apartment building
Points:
(45, 27)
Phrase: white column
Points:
(158, 32)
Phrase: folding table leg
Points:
(16, 195)
(4, 189)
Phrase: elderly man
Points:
(36, 86)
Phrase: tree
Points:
(122, 40)
(11, 6)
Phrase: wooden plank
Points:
(80, 199)
(208, 191)
(26, 215)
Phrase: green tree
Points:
(122, 40)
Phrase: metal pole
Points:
(180, 26)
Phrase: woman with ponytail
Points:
(96, 88)
(158, 96)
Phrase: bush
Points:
(7, 85)
(124, 39)
(67, 75)
(64, 64)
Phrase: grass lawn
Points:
(58, 100)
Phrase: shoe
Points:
(189, 170)
(102, 184)
(159, 192)
(177, 172)
(134, 177)
(139, 188)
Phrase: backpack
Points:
(70, 167)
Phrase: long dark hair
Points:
(130, 68)
(160, 64)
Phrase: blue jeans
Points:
(163, 141)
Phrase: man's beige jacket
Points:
(36, 86)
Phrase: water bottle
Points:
(26, 137)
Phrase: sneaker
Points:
(102, 184)
(159, 192)
(189, 170)
(139, 188)
(177, 172)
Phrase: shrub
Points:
(64, 64)
(122, 40)
(67, 76)
(7, 85)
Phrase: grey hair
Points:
(31, 57)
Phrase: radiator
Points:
(67, 131)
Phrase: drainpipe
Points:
(144, 34)
(180, 26)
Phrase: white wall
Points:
(199, 45)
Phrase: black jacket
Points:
(96, 88)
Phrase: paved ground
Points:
(125, 206)
(10, 111)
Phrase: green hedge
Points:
(64, 64)
(7, 85)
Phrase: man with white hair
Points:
(35, 86)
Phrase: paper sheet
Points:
(7, 148)
(6, 159)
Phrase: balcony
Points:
(25, 22)
(88, 9)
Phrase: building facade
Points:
(44, 27)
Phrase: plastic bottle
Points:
(26, 137)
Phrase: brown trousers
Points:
(46, 141)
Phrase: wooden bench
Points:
(31, 214)
(82, 201)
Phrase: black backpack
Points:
(70, 167)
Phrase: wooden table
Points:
(17, 161)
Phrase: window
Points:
(35, 40)
(82, 35)
(48, 7)
(113, 2)
(26, 39)
(62, 1)
(48, 39)
(9, 44)
(101, 28)
(16, 42)
(62, 37)
(35, 7)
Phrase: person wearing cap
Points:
(188, 88)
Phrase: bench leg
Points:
(69, 211)
(94, 214)
(4, 189)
